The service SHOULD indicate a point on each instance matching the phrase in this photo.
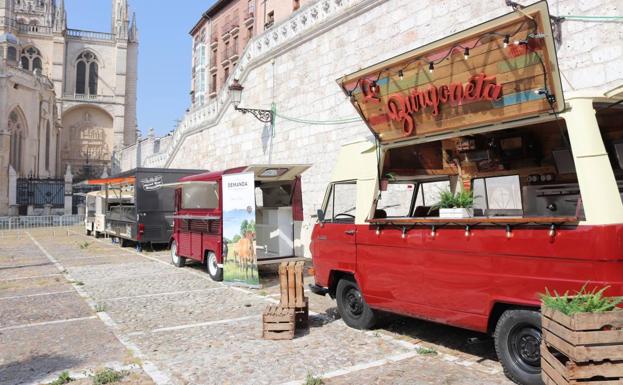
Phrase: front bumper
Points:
(318, 289)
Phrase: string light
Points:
(507, 39)
(552, 231)
(378, 230)
(467, 231)
(431, 67)
(433, 232)
(466, 53)
(401, 75)
(509, 233)
(404, 232)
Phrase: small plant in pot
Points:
(459, 205)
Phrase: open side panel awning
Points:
(191, 183)
(276, 172)
(500, 72)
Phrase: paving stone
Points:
(142, 314)
(21, 311)
(34, 353)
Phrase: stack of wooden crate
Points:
(281, 321)
(585, 348)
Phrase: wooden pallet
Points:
(585, 348)
(291, 284)
(557, 369)
(278, 323)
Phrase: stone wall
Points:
(296, 65)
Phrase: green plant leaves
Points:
(582, 301)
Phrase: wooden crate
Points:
(301, 315)
(291, 284)
(584, 337)
(278, 323)
(557, 369)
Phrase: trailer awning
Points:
(112, 181)
(193, 183)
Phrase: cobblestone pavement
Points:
(70, 302)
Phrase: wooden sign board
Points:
(499, 71)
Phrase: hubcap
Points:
(353, 302)
(212, 265)
(525, 341)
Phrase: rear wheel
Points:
(215, 272)
(176, 260)
(352, 306)
(517, 343)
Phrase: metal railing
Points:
(32, 222)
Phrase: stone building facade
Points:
(81, 84)
(295, 65)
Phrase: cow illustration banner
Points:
(240, 260)
(500, 71)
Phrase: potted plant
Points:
(459, 205)
(582, 337)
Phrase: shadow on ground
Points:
(35, 368)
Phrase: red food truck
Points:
(206, 230)
(545, 176)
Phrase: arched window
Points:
(16, 129)
(87, 71)
(30, 59)
(47, 146)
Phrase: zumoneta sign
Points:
(502, 70)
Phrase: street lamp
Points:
(264, 116)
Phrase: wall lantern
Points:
(264, 116)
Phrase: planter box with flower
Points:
(582, 339)
(455, 206)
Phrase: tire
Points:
(517, 344)
(215, 272)
(176, 260)
(352, 306)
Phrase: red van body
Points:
(465, 280)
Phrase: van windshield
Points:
(200, 196)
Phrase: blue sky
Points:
(164, 52)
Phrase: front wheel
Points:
(352, 306)
(517, 343)
(176, 260)
(215, 272)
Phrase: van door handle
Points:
(349, 232)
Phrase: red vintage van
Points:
(198, 219)
(545, 174)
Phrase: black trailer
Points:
(148, 216)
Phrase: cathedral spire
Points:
(133, 34)
(120, 19)
(60, 17)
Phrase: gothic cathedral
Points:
(67, 96)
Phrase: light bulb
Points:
(466, 53)
(509, 233)
(506, 40)
(401, 75)
(467, 231)
(431, 67)
(552, 231)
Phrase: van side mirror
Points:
(320, 215)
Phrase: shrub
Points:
(62, 379)
(311, 380)
(107, 376)
(582, 301)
